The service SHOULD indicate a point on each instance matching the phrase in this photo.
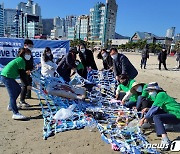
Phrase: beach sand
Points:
(18, 137)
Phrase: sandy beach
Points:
(23, 137)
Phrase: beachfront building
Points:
(96, 23)
(59, 28)
(9, 26)
(71, 33)
(151, 38)
(28, 20)
(103, 22)
(82, 28)
(70, 21)
(1, 20)
(47, 26)
(170, 32)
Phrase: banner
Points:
(9, 48)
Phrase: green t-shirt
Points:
(167, 103)
(80, 66)
(11, 70)
(126, 88)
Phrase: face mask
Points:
(153, 94)
(48, 54)
(77, 63)
(27, 57)
(139, 89)
(104, 55)
(30, 48)
(114, 56)
(125, 82)
(83, 50)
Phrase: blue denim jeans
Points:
(164, 118)
(14, 90)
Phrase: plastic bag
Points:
(64, 114)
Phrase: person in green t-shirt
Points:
(9, 73)
(143, 100)
(125, 86)
(164, 110)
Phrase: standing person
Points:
(67, 64)
(162, 56)
(87, 59)
(106, 58)
(145, 56)
(178, 59)
(10, 72)
(164, 110)
(48, 66)
(122, 65)
(25, 93)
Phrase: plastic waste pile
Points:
(117, 125)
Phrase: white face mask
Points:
(27, 57)
(48, 54)
(139, 89)
(83, 50)
(30, 48)
(153, 94)
(104, 55)
(114, 56)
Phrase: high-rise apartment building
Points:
(9, 25)
(82, 28)
(70, 21)
(47, 26)
(30, 21)
(59, 28)
(1, 20)
(103, 21)
(170, 32)
(110, 21)
(97, 17)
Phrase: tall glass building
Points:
(30, 20)
(9, 25)
(97, 16)
(170, 32)
(1, 20)
(103, 21)
(82, 28)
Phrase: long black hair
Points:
(45, 57)
(22, 52)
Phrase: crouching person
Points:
(123, 90)
(164, 110)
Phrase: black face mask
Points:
(125, 82)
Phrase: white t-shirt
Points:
(47, 68)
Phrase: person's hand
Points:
(74, 69)
(122, 102)
(141, 122)
(28, 72)
(145, 110)
(117, 78)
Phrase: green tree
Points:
(177, 46)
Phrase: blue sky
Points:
(154, 16)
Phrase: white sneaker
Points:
(18, 116)
(9, 108)
(23, 105)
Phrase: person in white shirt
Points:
(48, 66)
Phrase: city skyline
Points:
(145, 16)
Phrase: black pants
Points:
(143, 103)
(143, 62)
(164, 63)
(24, 91)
